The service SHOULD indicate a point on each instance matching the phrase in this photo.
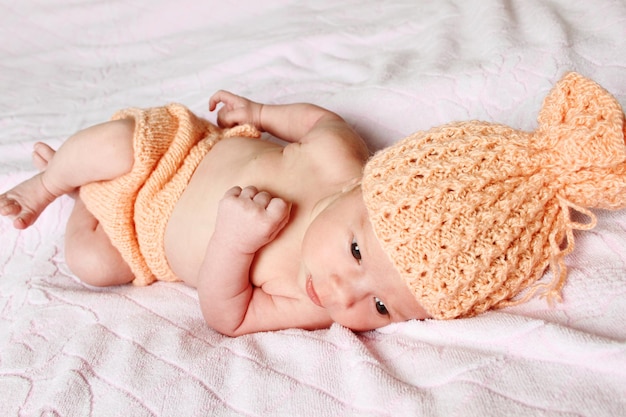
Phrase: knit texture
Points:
(472, 213)
(169, 143)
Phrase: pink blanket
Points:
(389, 68)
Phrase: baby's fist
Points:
(249, 218)
(237, 110)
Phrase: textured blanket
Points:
(390, 68)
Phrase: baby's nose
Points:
(345, 293)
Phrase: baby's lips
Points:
(310, 290)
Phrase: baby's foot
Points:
(42, 154)
(25, 202)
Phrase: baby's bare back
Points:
(295, 173)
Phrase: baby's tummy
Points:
(185, 246)
(231, 162)
(191, 224)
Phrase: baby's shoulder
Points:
(336, 141)
(328, 158)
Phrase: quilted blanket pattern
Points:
(390, 68)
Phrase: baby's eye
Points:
(356, 252)
(380, 307)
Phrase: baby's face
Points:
(347, 272)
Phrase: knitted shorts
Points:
(169, 143)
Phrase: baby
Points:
(210, 214)
(446, 223)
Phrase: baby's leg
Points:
(88, 250)
(101, 152)
(89, 253)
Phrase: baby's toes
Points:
(9, 206)
(42, 154)
(24, 219)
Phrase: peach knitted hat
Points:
(472, 213)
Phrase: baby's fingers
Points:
(262, 198)
(278, 210)
(221, 96)
(233, 192)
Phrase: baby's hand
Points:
(237, 110)
(248, 219)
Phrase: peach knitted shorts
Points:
(169, 143)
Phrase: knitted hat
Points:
(472, 213)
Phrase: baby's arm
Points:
(289, 122)
(246, 221)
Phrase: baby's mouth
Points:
(310, 290)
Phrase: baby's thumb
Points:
(279, 210)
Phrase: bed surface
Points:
(390, 68)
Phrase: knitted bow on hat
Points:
(472, 213)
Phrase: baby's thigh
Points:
(89, 253)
